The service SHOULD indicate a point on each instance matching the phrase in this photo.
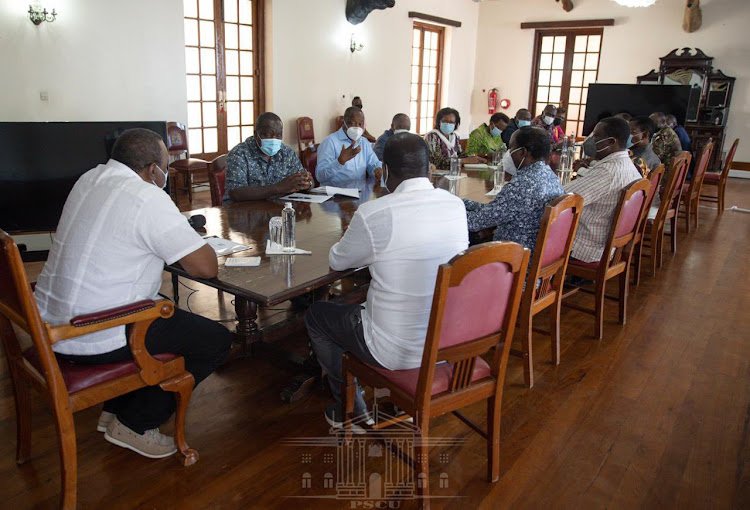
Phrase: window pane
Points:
(208, 37)
(246, 13)
(414, 92)
(246, 62)
(195, 140)
(233, 114)
(576, 78)
(594, 42)
(425, 75)
(246, 90)
(246, 37)
(233, 89)
(547, 44)
(413, 110)
(194, 116)
(210, 140)
(208, 61)
(560, 44)
(247, 132)
(415, 56)
(433, 58)
(191, 60)
(539, 109)
(558, 61)
(578, 60)
(580, 45)
(556, 80)
(434, 37)
(584, 95)
(573, 110)
(544, 77)
(206, 10)
(415, 74)
(554, 95)
(416, 35)
(542, 93)
(582, 114)
(191, 32)
(231, 59)
(193, 88)
(209, 114)
(233, 137)
(431, 92)
(230, 36)
(246, 112)
(575, 95)
(545, 61)
(592, 61)
(433, 75)
(230, 10)
(209, 88)
(589, 77)
(191, 8)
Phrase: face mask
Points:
(548, 120)
(447, 127)
(600, 141)
(270, 146)
(166, 178)
(397, 131)
(558, 122)
(354, 133)
(523, 123)
(509, 165)
(630, 141)
(496, 132)
(589, 147)
(634, 141)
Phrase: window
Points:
(223, 68)
(426, 67)
(565, 63)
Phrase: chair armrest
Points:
(112, 313)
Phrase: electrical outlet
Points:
(44, 95)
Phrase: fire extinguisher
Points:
(492, 101)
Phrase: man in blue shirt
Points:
(681, 133)
(518, 207)
(400, 124)
(343, 158)
(262, 166)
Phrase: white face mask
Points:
(548, 120)
(354, 132)
(508, 164)
(166, 178)
(397, 131)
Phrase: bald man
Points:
(262, 166)
(400, 124)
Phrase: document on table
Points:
(242, 262)
(224, 246)
(333, 190)
(301, 197)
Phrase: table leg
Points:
(247, 327)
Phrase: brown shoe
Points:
(150, 444)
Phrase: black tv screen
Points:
(41, 162)
(606, 100)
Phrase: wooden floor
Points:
(653, 416)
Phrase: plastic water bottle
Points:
(287, 228)
(564, 155)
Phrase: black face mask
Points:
(557, 121)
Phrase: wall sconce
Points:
(354, 45)
(37, 15)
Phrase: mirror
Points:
(717, 94)
(688, 77)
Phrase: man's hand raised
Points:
(348, 153)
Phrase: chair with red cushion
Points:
(692, 190)
(546, 276)
(305, 133)
(177, 146)
(474, 309)
(310, 162)
(616, 256)
(217, 175)
(654, 177)
(718, 180)
(679, 194)
(69, 387)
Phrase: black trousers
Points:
(202, 342)
(335, 329)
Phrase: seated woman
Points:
(487, 138)
(444, 143)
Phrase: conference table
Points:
(280, 278)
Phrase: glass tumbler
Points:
(274, 232)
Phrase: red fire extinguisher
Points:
(492, 101)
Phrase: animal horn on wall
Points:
(693, 16)
(567, 5)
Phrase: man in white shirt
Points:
(403, 237)
(117, 230)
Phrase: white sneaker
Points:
(151, 443)
(104, 420)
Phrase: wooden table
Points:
(280, 278)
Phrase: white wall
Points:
(101, 60)
(632, 47)
(313, 67)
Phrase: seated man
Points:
(681, 132)
(400, 124)
(601, 187)
(522, 119)
(666, 143)
(518, 207)
(342, 157)
(641, 131)
(117, 230)
(546, 120)
(262, 166)
(403, 237)
(487, 138)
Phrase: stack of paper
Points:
(224, 246)
(332, 190)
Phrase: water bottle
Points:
(287, 228)
(564, 155)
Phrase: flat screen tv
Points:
(41, 162)
(607, 99)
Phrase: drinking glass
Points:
(455, 170)
(499, 175)
(274, 232)
(497, 157)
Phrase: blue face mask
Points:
(270, 146)
(523, 123)
(630, 141)
(496, 132)
(447, 127)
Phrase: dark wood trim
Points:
(435, 19)
(741, 165)
(259, 50)
(581, 23)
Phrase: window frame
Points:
(440, 31)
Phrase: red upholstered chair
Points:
(654, 177)
(692, 190)
(177, 146)
(474, 310)
(69, 387)
(305, 133)
(217, 175)
(677, 197)
(338, 122)
(553, 244)
(718, 180)
(615, 261)
(310, 162)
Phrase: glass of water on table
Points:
(498, 174)
(274, 232)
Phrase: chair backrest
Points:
(338, 122)
(625, 223)
(670, 193)
(311, 163)
(217, 174)
(305, 132)
(654, 177)
(177, 142)
(463, 143)
(728, 162)
(474, 309)
(700, 170)
(553, 244)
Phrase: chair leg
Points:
(696, 211)
(601, 284)
(182, 386)
(189, 184)
(348, 393)
(493, 438)
(23, 418)
(688, 210)
(554, 327)
(637, 262)
(422, 462)
(176, 288)
(526, 340)
(673, 227)
(66, 438)
(623, 301)
(720, 196)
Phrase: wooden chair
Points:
(474, 309)
(718, 180)
(305, 133)
(679, 194)
(553, 244)
(338, 122)
(309, 160)
(692, 190)
(616, 256)
(463, 143)
(654, 177)
(69, 387)
(177, 146)
(656, 218)
(217, 174)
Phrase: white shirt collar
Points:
(414, 184)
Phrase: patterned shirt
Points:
(518, 207)
(440, 152)
(647, 155)
(666, 145)
(247, 167)
(481, 142)
(600, 189)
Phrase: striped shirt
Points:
(600, 189)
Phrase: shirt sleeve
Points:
(492, 214)
(328, 164)
(355, 249)
(237, 170)
(591, 188)
(165, 232)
